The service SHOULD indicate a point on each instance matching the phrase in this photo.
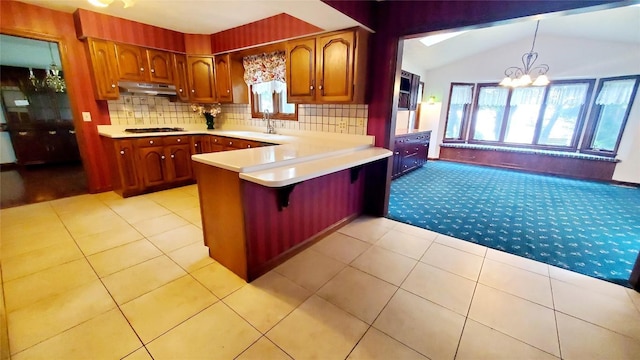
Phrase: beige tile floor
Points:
(98, 276)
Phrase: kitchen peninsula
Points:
(261, 205)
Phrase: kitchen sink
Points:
(152, 130)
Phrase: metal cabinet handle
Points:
(121, 152)
(162, 157)
(141, 69)
(113, 86)
(195, 145)
(153, 70)
(72, 132)
(150, 142)
(249, 145)
(228, 91)
(179, 140)
(311, 87)
(173, 156)
(230, 142)
(397, 153)
(193, 91)
(53, 132)
(23, 133)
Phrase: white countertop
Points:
(295, 157)
(287, 175)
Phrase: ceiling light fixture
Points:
(105, 3)
(521, 76)
(52, 79)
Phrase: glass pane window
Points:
(460, 99)
(285, 107)
(492, 103)
(610, 112)
(562, 112)
(265, 102)
(454, 121)
(524, 109)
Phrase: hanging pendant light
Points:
(52, 80)
(522, 76)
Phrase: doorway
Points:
(40, 159)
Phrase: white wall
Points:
(568, 58)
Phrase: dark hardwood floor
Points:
(20, 185)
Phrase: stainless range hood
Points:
(133, 87)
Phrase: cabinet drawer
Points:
(149, 141)
(175, 140)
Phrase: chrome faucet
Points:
(267, 118)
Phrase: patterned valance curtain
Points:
(616, 92)
(461, 94)
(265, 72)
(527, 96)
(567, 95)
(493, 96)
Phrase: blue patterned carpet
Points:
(584, 226)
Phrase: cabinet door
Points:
(181, 76)
(179, 162)
(126, 164)
(216, 144)
(224, 87)
(131, 62)
(104, 69)
(301, 70)
(152, 165)
(201, 79)
(335, 62)
(160, 66)
(196, 145)
(413, 100)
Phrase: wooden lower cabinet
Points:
(152, 166)
(125, 159)
(410, 152)
(146, 164)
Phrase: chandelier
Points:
(52, 79)
(105, 3)
(522, 76)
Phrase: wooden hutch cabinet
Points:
(409, 85)
(329, 68)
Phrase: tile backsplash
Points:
(158, 110)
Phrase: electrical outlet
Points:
(342, 125)
(86, 116)
(360, 122)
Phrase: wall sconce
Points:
(431, 100)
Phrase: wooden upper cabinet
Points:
(301, 70)
(201, 74)
(160, 65)
(132, 64)
(181, 77)
(104, 68)
(335, 66)
(224, 87)
(329, 68)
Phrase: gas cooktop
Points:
(150, 130)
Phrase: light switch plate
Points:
(86, 116)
